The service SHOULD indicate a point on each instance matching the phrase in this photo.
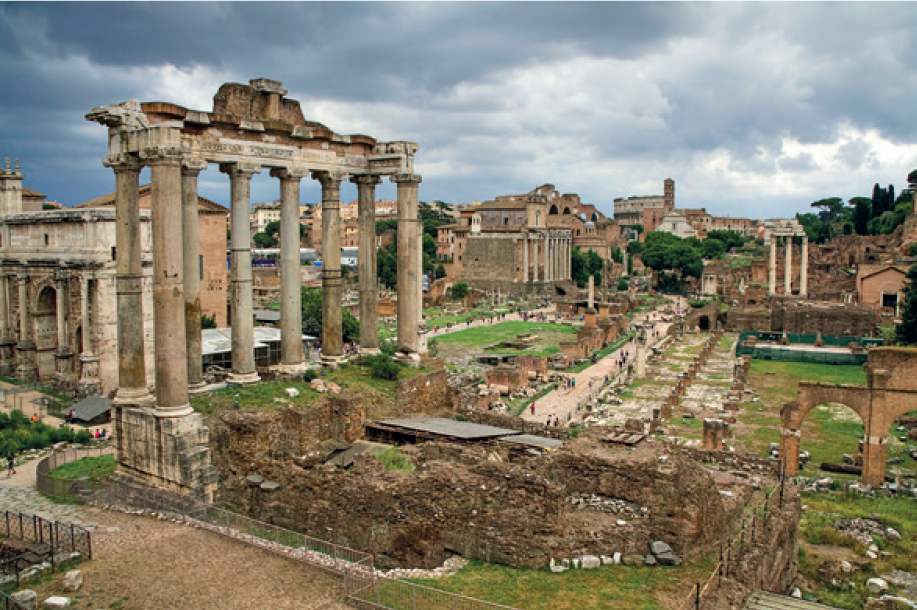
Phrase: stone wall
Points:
(502, 420)
(513, 377)
(836, 320)
(214, 281)
(475, 502)
(538, 364)
(426, 393)
(490, 257)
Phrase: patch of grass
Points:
(794, 372)
(606, 588)
(395, 461)
(89, 467)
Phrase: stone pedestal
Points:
(8, 357)
(26, 371)
(64, 378)
(715, 432)
(169, 452)
(89, 383)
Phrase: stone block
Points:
(25, 599)
(668, 559)
(649, 560)
(877, 586)
(57, 602)
(659, 547)
(590, 562)
(616, 558)
(606, 560)
(73, 580)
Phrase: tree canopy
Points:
(312, 316)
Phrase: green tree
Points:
(622, 284)
(429, 246)
(263, 240)
(312, 316)
(831, 208)
(387, 266)
(906, 332)
(440, 271)
(862, 210)
(713, 248)
(730, 239)
(459, 290)
(208, 321)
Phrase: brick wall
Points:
(426, 393)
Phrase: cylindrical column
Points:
(804, 268)
(569, 256)
(788, 267)
(292, 360)
(549, 258)
(525, 257)
(192, 269)
(7, 338)
(132, 384)
(240, 273)
(545, 259)
(89, 384)
(169, 335)
(535, 260)
(772, 272)
(26, 371)
(63, 355)
(366, 262)
(409, 273)
(85, 319)
(332, 283)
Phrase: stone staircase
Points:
(762, 600)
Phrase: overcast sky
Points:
(753, 109)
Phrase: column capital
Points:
(240, 169)
(366, 180)
(289, 173)
(123, 162)
(22, 274)
(409, 178)
(161, 155)
(329, 179)
(192, 166)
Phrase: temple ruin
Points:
(251, 127)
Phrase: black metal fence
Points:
(8, 603)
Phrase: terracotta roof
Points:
(204, 204)
(26, 192)
(864, 271)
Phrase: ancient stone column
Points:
(772, 272)
(26, 371)
(545, 260)
(804, 268)
(7, 338)
(410, 287)
(549, 258)
(240, 272)
(89, 384)
(169, 335)
(366, 262)
(191, 268)
(534, 261)
(788, 271)
(292, 359)
(63, 355)
(525, 257)
(332, 283)
(132, 383)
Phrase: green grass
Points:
(606, 588)
(817, 528)
(493, 334)
(395, 461)
(795, 372)
(89, 467)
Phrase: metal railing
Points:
(8, 603)
(62, 488)
(61, 538)
(363, 585)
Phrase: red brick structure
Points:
(889, 394)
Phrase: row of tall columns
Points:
(788, 265)
(553, 254)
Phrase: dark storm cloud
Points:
(603, 99)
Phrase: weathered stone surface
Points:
(26, 599)
(658, 547)
(590, 562)
(57, 602)
(73, 580)
(877, 586)
(668, 559)
(649, 560)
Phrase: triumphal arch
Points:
(252, 128)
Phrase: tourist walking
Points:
(10, 464)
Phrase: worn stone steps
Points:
(762, 600)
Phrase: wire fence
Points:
(61, 539)
(753, 530)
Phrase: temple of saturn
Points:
(252, 127)
(787, 229)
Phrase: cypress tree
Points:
(906, 332)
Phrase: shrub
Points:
(382, 367)
(459, 290)
(394, 460)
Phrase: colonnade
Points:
(547, 254)
(176, 281)
(788, 266)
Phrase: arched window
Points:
(553, 209)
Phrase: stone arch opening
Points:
(45, 331)
(566, 210)
(703, 323)
(553, 209)
(595, 217)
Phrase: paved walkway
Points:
(563, 403)
(18, 493)
(510, 317)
